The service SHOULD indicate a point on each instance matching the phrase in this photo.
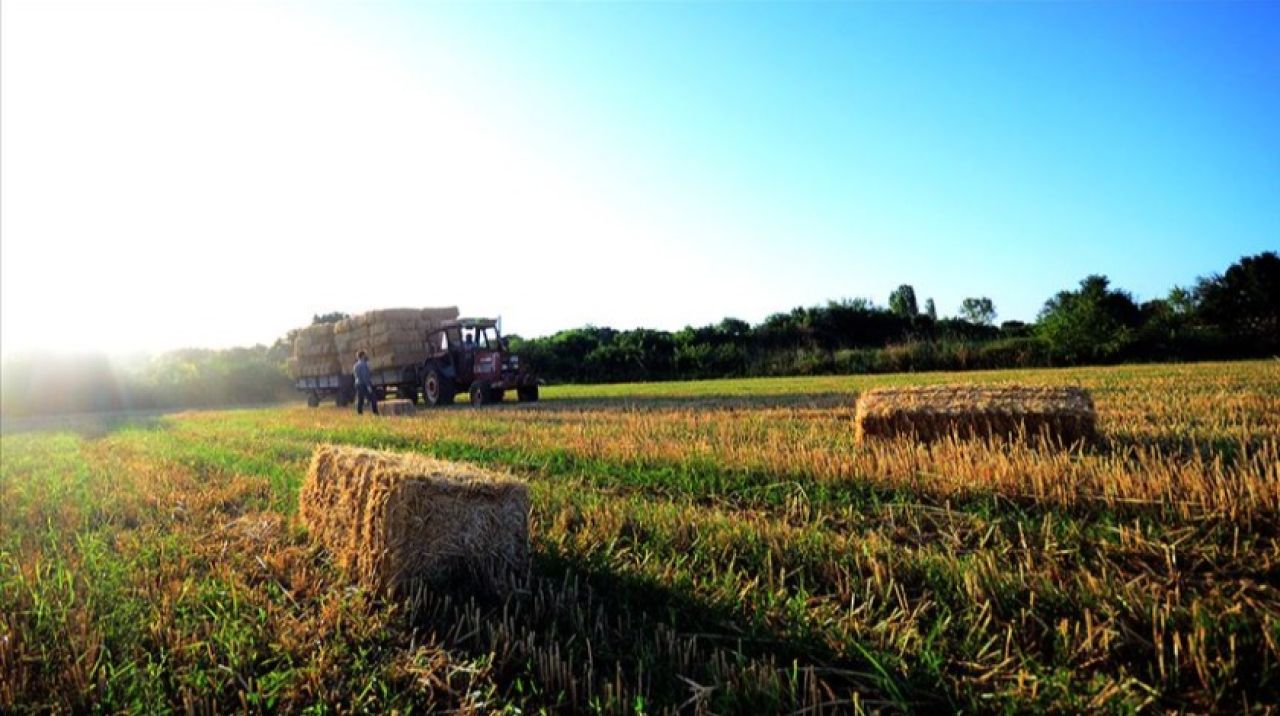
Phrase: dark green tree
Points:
(903, 301)
(931, 309)
(980, 311)
(332, 317)
(1244, 301)
(1093, 322)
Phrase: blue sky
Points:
(632, 164)
(1006, 149)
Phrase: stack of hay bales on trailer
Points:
(314, 352)
(392, 337)
(1062, 415)
(394, 520)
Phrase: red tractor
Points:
(470, 355)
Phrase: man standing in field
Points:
(364, 384)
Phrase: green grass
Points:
(717, 546)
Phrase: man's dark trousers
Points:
(362, 392)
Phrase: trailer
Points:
(468, 356)
(342, 388)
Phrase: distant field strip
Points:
(713, 546)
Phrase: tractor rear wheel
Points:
(528, 394)
(437, 389)
(479, 393)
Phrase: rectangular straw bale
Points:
(382, 359)
(314, 368)
(398, 406)
(393, 520)
(392, 315)
(345, 325)
(346, 343)
(441, 314)
(387, 335)
(315, 351)
(316, 332)
(1062, 414)
(392, 337)
(316, 341)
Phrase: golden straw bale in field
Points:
(399, 406)
(1062, 414)
(392, 520)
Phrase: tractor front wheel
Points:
(527, 394)
(313, 399)
(437, 389)
(480, 393)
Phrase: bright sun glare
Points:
(214, 174)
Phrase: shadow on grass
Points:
(705, 403)
(577, 636)
(87, 425)
(706, 482)
(1174, 446)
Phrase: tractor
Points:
(470, 355)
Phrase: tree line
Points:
(1223, 316)
(1235, 314)
(188, 378)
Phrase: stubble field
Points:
(718, 546)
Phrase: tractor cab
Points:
(471, 355)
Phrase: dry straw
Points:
(392, 337)
(314, 352)
(393, 521)
(1063, 415)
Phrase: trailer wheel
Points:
(479, 393)
(313, 399)
(437, 389)
(528, 394)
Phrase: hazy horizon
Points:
(211, 175)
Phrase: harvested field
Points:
(1062, 415)
(395, 520)
(699, 547)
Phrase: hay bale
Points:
(1061, 414)
(392, 337)
(393, 520)
(318, 367)
(315, 352)
(399, 406)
